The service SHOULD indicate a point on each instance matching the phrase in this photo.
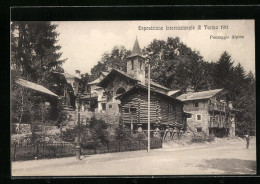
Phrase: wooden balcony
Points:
(218, 107)
(218, 124)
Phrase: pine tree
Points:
(34, 50)
(35, 57)
(223, 71)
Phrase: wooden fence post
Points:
(37, 150)
(14, 149)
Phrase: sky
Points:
(84, 42)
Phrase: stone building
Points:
(126, 93)
(211, 112)
(97, 97)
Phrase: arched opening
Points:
(120, 91)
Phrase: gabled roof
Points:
(98, 79)
(139, 86)
(113, 72)
(136, 50)
(199, 95)
(170, 93)
(35, 87)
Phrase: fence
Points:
(56, 150)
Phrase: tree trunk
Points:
(21, 116)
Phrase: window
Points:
(132, 62)
(198, 117)
(109, 95)
(120, 90)
(110, 106)
(133, 110)
(103, 106)
(199, 129)
(126, 110)
(141, 62)
(196, 104)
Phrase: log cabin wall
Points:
(162, 109)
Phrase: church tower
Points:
(136, 63)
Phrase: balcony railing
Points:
(218, 124)
(218, 107)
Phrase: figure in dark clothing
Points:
(247, 141)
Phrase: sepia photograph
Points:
(132, 98)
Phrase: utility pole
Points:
(149, 96)
(78, 149)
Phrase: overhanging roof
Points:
(35, 87)
(139, 86)
(199, 95)
(113, 72)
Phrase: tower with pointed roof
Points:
(136, 63)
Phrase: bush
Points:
(92, 136)
(69, 135)
(139, 136)
(122, 133)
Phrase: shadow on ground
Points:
(230, 165)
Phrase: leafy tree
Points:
(114, 59)
(175, 65)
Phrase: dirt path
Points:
(223, 158)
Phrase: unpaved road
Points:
(201, 159)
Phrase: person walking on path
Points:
(247, 140)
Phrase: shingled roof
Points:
(199, 95)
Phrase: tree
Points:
(114, 59)
(34, 57)
(34, 50)
(223, 71)
(175, 65)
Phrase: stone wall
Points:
(195, 123)
(112, 105)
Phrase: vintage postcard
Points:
(131, 98)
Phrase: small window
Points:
(196, 104)
(132, 62)
(133, 110)
(126, 110)
(103, 106)
(199, 129)
(198, 117)
(110, 106)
